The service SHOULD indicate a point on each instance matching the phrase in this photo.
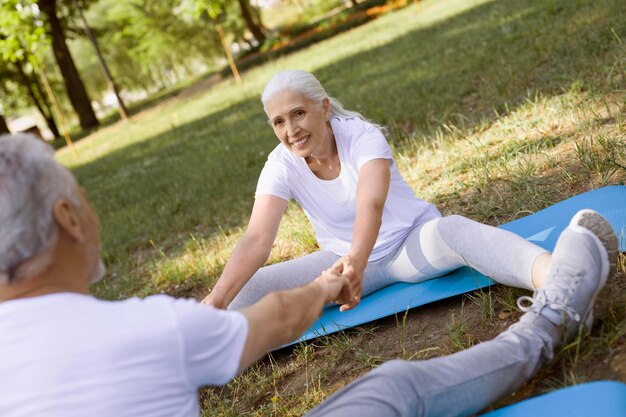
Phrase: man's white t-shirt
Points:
(331, 205)
(70, 355)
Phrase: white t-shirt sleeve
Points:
(213, 341)
(368, 143)
(273, 180)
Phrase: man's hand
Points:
(214, 299)
(333, 284)
(352, 269)
(280, 317)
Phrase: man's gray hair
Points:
(31, 182)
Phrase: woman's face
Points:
(298, 122)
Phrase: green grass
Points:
(496, 109)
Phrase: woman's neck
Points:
(324, 161)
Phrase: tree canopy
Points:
(147, 45)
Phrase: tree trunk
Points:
(74, 85)
(3, 125)
(105, 69)
(35, 93)
(256, 15)
(250, 23)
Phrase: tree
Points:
(252, 26)
(3, 125)
(38, 96)
(105, 68)
(148, 44)
(213, 9)
(22, 42)
(73, 83)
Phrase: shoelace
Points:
(540, 299)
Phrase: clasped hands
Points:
(344, 281)
(342, 284)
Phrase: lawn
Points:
(496, 109)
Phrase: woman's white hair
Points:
(31, 181)
(306, 84)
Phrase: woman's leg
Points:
(375, 277)
(444, 244)
(466, 382)
(299, 271)
(282, 276)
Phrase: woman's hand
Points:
(333, 284)
(352, 268)
(251, 251)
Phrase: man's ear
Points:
(68, 219)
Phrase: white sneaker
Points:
(584, 256)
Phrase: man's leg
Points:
(468, 381)
(457, 385)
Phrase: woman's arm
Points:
(251, 251)
(371, 193)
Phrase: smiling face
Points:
(299, 123)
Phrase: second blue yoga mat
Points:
(593, 399)
(542, 228)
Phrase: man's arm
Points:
(282, 316)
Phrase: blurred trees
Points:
(21, 88)
(3, 125)
(151, 44)
(148, 45)
(22, 43)
(75, 88)
(256, 28)
(121, 107)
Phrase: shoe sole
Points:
(604, 234)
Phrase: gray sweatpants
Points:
(430, 250)
(457, 385)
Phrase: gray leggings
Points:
(453, 386)
(430, 250)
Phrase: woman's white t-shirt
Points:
(331, 205)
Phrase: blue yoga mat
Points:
(593, 399)
(543, 228)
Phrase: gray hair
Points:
(31, 182)
(306, 84)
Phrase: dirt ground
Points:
(442, 328)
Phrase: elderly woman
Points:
(368, 222)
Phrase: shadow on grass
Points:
(193, 178)
(113, 116)
(200, 177)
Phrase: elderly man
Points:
(66, 353)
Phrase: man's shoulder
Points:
(154, 303)
(152, 306)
